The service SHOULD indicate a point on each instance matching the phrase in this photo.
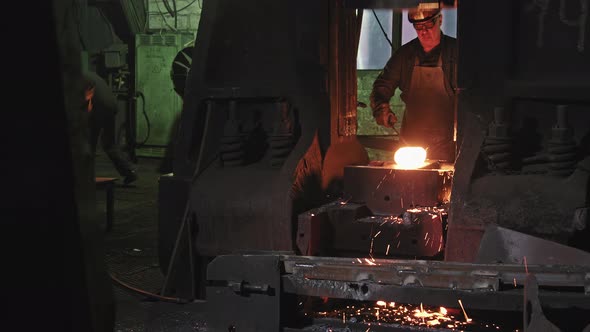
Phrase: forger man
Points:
(424, 71)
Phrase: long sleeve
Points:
(386, 83)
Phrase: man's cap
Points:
(424, 12)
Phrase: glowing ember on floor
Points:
(383, 313)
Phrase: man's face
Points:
(429, 32)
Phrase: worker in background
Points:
(102, 106)
(424, 71)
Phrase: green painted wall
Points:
(162, 105)
(366, 123)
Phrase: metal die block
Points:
(389, 191)
(317, 228)
(419, 234)
(309, 231)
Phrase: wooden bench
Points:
(108, 184)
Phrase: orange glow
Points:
(414, 315)
(369, 262)
(88, 95)
(420, 313)
(464, 313)
(410, 157)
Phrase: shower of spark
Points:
(383, 312)
(435, 213)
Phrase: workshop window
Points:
(374, 49)
(373, 52)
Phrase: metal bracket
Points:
(244, 293)
(533, 318)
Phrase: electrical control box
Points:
(157, 104)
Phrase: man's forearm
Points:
(380, 98)
(383, 89)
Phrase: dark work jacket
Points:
(398, 70)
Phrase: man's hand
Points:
(385, 117)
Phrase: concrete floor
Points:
(131, 254)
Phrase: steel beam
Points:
(481, 286)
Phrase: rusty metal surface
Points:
(406, 276)
(388, 190)
(506, 300)
(501, 245)
(258, 291)
(394, 271)
(483, 286)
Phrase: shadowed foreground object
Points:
(48, 207)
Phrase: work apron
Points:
(429, 116)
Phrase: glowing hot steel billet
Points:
(410, 157)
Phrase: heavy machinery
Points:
(275, 198)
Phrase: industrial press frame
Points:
(265, 180)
